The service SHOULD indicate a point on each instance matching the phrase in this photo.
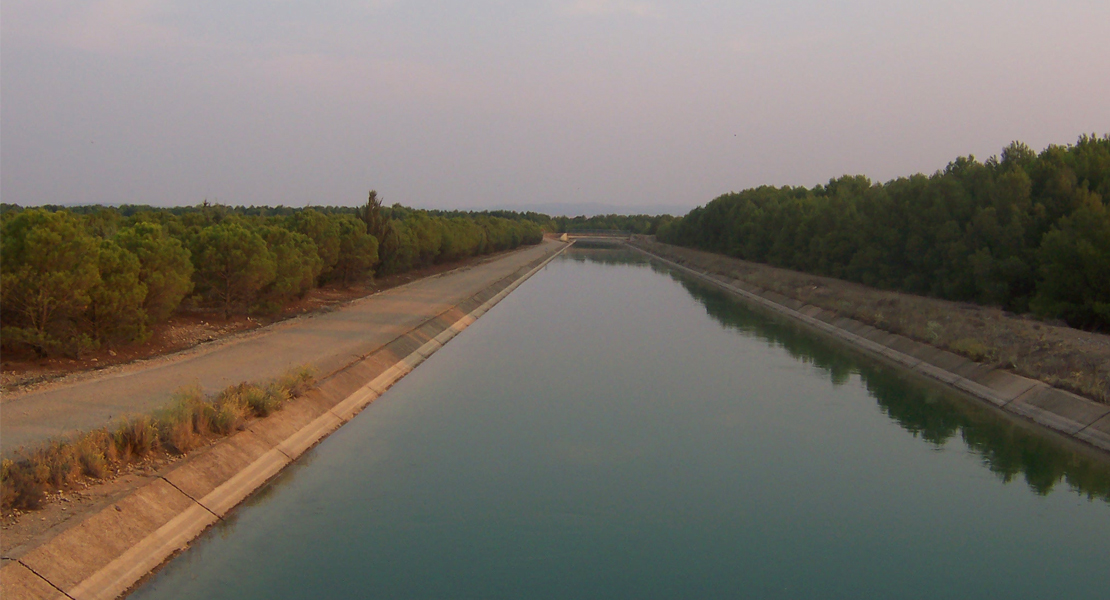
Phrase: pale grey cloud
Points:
(612, 7)
(98, 26)
(485, 103)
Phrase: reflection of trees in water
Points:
(1007, 449)
(605, 255)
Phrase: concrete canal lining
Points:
(105, 555)
(1056, 409)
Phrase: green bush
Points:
(115, 311)
(1075, 267)
(164, 267)
(48, 265)
(232, 265)
(358, 251)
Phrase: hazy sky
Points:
(484, 103)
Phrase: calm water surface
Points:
(615, 430)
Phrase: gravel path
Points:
(327, 341)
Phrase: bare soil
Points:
(1071, 359)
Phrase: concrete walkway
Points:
(328, 341)
(1056, 409)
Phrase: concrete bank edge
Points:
(1062, 411)
(110, 551)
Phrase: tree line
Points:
(74, 279)
(1025, 231)
(643, 224)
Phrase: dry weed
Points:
(186, 423)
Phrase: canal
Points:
(613, 429)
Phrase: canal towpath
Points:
(327, 341)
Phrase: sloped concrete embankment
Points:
(107, 553)
(1051, 407)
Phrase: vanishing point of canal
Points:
(615, 430)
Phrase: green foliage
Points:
(358, 251)
(323, 231)
(1075, 267)
(164, 267)
(74, 278)
(642, 224)
(398, 249)
(1021, 231)
(49, 265)
(115, 310)
(374, 217)
(232, 265)
(297, 264)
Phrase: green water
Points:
(614, 430)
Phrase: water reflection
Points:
(1008, 449)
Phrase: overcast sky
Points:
(491, 103)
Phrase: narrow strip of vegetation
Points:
(1027, 232)
(191, 420)
(79, 278)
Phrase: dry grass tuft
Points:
(228, 411)
(93, 453)
(183, 423)
(135, 437)
(189, 421)
(297, 380)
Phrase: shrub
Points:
(973, 349)
(135, 437)
(179, 427)
(91, 453)
(183, 423)
(60, 462)
(20, 487)
(228, 411)
(297, 380)
(262, 402)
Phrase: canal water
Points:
(613, 429)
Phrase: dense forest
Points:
(1025, 231)
(78, 278)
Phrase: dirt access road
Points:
(328, 342)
